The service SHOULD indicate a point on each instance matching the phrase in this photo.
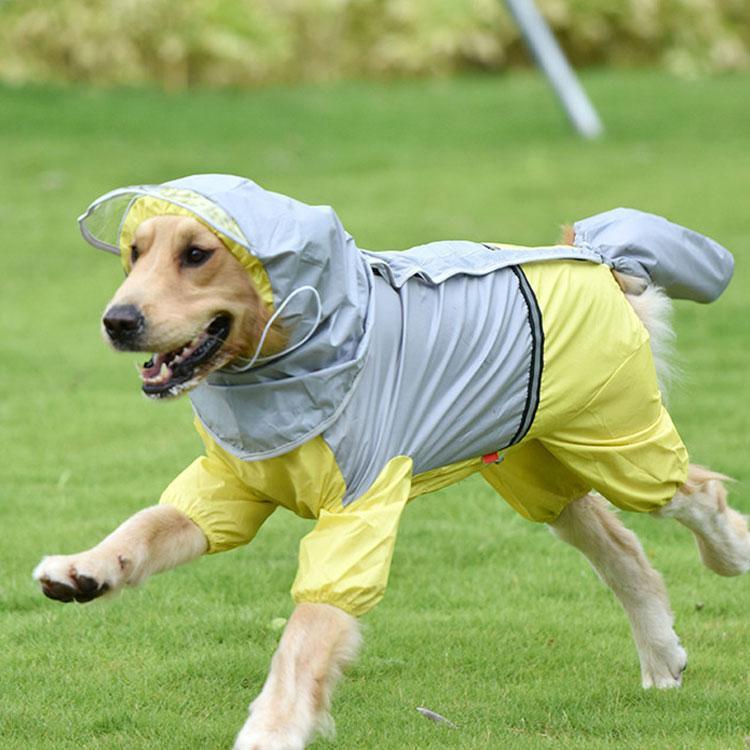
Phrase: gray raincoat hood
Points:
(320, 284)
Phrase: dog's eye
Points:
(134, 254)
(195, 256)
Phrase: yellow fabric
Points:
(346, 558)
(147, 206)
(436, 479)
(225, 509)
(220, 492)
(601, 423)
(533, 482)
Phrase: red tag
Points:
(491, 458)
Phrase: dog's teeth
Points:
(164, 371)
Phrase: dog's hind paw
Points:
(662, 668)
(80, 578)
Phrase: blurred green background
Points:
(487, 620)
(249, 42)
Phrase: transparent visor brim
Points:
(102, 222)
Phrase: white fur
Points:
(293, 706)
(720, 531)
(654, 309)
(617, 556)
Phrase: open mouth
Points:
(170, 373)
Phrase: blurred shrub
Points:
(244, 42)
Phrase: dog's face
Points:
(188, 301)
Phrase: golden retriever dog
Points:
(189, 303)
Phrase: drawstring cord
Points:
(256, 357)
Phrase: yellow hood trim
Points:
(147, 207)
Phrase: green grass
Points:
(487, 619)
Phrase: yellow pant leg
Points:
(533, 482)
(623, 443)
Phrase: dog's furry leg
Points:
(617, 556)
(720, 531)
(318, 642)
(153, 540)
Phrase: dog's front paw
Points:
(80, 577)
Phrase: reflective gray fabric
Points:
(438, 261)
(449, 376)
(687, 265)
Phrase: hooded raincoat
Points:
(406, 371)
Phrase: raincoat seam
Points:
(536, 360)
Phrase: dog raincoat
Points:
(406, 371)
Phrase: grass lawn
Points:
(487, 620)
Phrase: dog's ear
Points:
(567, 234)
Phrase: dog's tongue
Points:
(151, 368)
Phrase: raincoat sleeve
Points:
(211, 495)
(346, 558)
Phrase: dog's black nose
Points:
(123, 323)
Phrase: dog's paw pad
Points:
(80, 589)
(88, 588)
(60, 592)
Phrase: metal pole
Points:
(551, 59)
